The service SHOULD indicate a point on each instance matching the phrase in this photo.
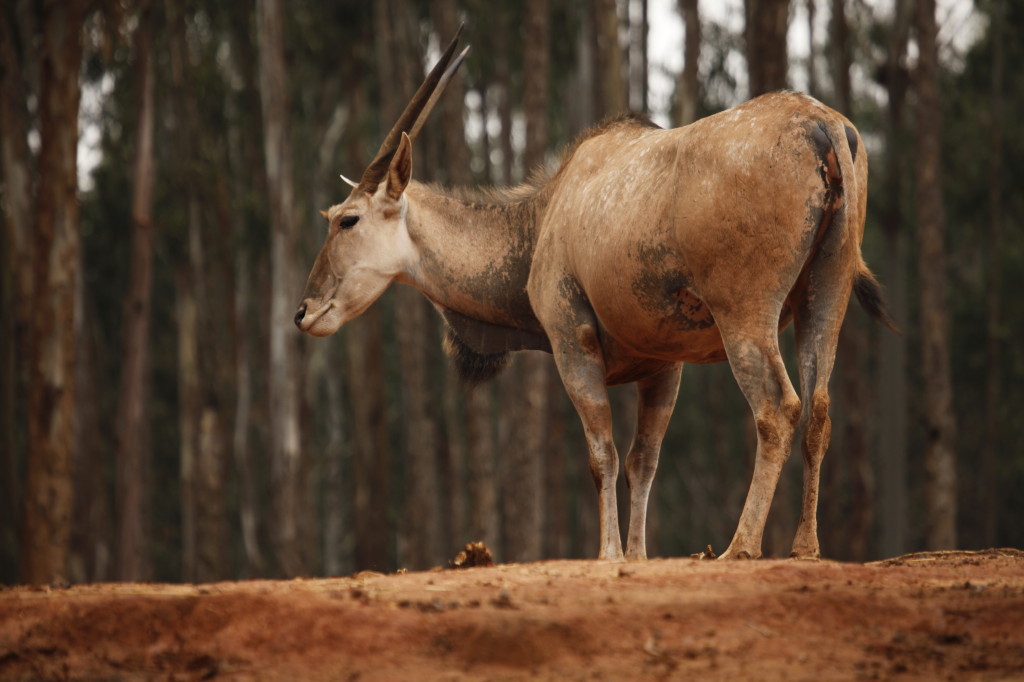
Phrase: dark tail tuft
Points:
(869, 293)
(473, 368)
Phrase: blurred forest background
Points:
(162, 419)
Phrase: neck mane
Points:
(475, 249)
(474, 255)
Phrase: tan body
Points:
(704, 241)
(647, 249)
(668, 239)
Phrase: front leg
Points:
(581, 366)
(572, 328)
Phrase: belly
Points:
(653, 312)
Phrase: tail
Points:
(869, 294)
(835, 172)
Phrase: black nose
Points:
(299, 315)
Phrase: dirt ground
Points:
(952, 615)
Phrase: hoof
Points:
(612, 559)
(806, 551)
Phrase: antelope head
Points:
(367, 241)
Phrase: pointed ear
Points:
(325, 214)
(400, 170)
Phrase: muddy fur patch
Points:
(473, 368)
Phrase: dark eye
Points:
(348, 221)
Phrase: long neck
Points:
(473, 258)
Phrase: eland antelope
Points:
(644, 250)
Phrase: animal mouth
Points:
(311, 318)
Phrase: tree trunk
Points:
(212, 539)
(638, 66)
(133, 444)
(688, 89)
(580, 110)
(535, 82)
(16, 168)
(480, 467)
(222, 381)
(204, 339)
(51, 386)
(556, 475)
(244, 140)
(842, 58)
(625, 405)
(452, 452)
(456, 158)
(287, 465)
(812, 49)
(503, 88)
(765, 32)
(609, 60)
(371, 466)
(16, 279)
(189, 391)
(188, 277)
(487, 168)
(93, 530)
(335, 557)
(645, 64)
(939, 420)
(892, 349)
(240, 444)
(990, 492)
(241, 164)
(422, 519)
(730, 474)
(523, 473)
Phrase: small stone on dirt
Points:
(503, 600)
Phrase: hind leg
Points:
(656, 400)
(759, 371)
(817, 433)
(817, 323)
